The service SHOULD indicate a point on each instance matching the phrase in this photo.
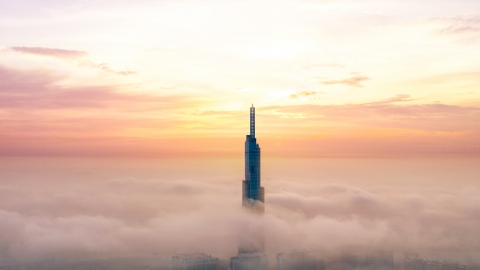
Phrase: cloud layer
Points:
(85, 209)
(52, 52)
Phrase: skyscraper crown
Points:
(252, 121)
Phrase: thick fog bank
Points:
(76, 212)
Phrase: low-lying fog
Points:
(82, 209)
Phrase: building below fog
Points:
(195, 261)
(367, 261)
(249, 261)
(412, 262)
(300, 260)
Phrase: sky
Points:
(122, 127)
(176, 78)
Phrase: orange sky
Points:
(170, 78)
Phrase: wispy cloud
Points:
(81, 58)
(37, 110)
(397, 98)
(39, 89)
(352, 81)
(460, 25)
(395, 112)
(220, 113)
(104, 67)
(304, 94)
(51, 52)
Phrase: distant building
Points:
(367, 261)
(413, 262)
(195, 261)
(249, 261)
(350, 261)
(300, 260)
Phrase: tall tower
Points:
(252, 239)
(252, 190)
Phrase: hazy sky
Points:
(163, 78)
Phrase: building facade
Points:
(379, 260)
(300, 260)
(413, 262)
(249, 261)
(195, 261)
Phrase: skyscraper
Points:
(252, 190)
(252, 238)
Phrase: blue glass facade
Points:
(252, 188)
(252, 239)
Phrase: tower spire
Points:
(252, 121)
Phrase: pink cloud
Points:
(81, 56)
(304, 94)
(460, 25)
(391, 113)
(51, 52)
(39, 89)
(353, 81)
